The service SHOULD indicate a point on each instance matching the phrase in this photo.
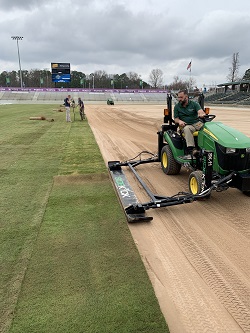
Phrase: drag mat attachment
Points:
(133, 210)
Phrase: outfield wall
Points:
(57, 95)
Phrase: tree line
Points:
(98, 79)
(101, 79)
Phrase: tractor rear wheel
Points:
(195, 182)
(168, 163)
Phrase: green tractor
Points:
(110, 101)
(222, 161)
(222, 151)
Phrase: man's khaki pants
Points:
(188, 131)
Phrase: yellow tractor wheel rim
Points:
(164, 160)
(194, 185)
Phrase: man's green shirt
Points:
(189, 113)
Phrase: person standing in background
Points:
(67, 107)
(81, 108)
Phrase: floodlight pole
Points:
(17, 38)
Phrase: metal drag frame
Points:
(134, 210)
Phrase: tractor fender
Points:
(175, 142)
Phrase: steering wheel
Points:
(207, 118)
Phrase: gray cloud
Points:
(127, 36)
(20, 4)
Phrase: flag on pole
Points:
(189, 66)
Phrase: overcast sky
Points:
(120, 36)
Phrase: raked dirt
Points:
(197, 255)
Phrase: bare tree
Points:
(133, 76)
(234, 70)
(178, 84)
(101, 79)
(156, 78)
(191, 84)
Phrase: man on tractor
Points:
(186, 115)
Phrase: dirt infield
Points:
(197, 255)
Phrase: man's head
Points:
(183, 97)
(69, 96)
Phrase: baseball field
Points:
(69, 260)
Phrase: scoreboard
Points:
(60, 72)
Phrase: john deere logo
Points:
(242, 155)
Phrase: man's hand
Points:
(201, 113)
(182, 123)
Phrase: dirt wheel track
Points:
(197, 255)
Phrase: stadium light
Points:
(17, 38)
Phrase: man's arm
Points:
(179, 122)
(201, 113)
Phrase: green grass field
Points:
(67, 259)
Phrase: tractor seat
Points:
(194, 134)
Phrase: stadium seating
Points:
(232, 97)
(140, 97)
(87, 96)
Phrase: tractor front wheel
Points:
(168, 163)
(195, 182)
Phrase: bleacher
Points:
(99, 96)
(232, 97)
(18, 95)
(214, 97)
(50, 96)
(128, 97)
(155, 97)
